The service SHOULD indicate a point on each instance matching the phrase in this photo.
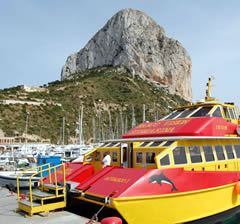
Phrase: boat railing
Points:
(52, 173)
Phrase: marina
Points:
(105, 117)
(187, 161)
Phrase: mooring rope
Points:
(95, 216)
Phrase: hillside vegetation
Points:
(108, 96)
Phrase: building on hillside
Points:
(9, 102)
(7, 140)
(31, 89)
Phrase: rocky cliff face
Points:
(133, 40)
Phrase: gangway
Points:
(50, 195)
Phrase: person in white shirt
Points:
(106, 160)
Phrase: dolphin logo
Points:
(161, 178)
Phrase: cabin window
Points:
(185, 113)
(150, 157)
(179, 155)
(219, 152)
(144, 144)
(118, 144)
(232, 113)
(217, 112)
(97, 156)
(168, 143)
(67, 154)
(165, 161)
(124, 155)
(104, 144)
(114, 157)
(227, 115)
(168, 116)
(208, 153)
(139, 157)
(195, 154)
(229, 151)
(237, 150)
(236, 112)
(156, 143)
(111, 144)
(174, 114)
(202, 112)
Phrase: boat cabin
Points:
(200, 136)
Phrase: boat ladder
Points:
(49, 195)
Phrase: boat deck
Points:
(8, 206)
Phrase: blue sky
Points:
(37, 36)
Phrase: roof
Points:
(197, 126)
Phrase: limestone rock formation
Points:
(135, 41)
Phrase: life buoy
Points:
(111, 220)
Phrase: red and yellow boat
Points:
(182, 168)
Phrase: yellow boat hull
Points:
(177, 208)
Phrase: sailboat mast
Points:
(63, 130)
(94, 129)
(80, 126)
(133, 117)
(122, 123)
(144, 114)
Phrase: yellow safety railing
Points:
(40, 172)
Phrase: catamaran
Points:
(182, 168)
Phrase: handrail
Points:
(27, 170)
(31, 169)
(40, 171)
(64, 183)
(49, 173)
(55, 179)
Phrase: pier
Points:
(10, 215)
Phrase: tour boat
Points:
(182, 168)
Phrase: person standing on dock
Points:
(106, 159)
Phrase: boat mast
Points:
(208, 96)
(133, 117)
(144, 113)
(94, 129)
(80, 130)
(63, 130)
(121, 122)
(110, 131)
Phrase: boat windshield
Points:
(173, 114)
(202, 112)
(186, 112)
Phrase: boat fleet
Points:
(27, 154)
(18, 157)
